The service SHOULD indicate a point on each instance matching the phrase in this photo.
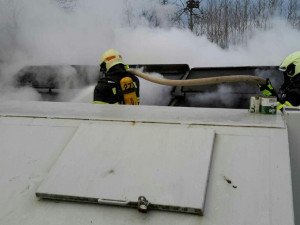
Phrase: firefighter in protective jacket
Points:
(289, 92)
(117, 86)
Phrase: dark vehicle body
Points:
(49, 80)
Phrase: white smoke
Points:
(224, 96)
(154, 94)
(38, 32)
(85, 95)
(19, 94)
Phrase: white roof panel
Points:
(249, 179)
(161, 114)
(292, 117)
(121, 161)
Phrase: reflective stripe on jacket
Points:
(285, 104)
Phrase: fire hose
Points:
(200, 81)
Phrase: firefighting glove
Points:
(267, 89)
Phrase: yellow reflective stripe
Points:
(270, 87)
(266, 93)
(114, 90)
(279, 105)
(126, 67)
(99, 102)
(288, 103)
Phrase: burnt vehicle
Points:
(226, 95)
(50, 81)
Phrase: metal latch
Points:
(143, 204)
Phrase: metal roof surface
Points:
(249, 179)
(292, 117)
(162, 114)
(116, 163)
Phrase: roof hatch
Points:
(160, 166)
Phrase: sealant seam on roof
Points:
(94, 119)
(62, 150)
(149, 122)
(46, 117)
(237, 125)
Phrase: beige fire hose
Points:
(200, 81)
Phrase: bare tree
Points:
(128, 13)
(231, 21)
(9, 28)
(151, 17)
(188, 12)
(67, 5)
(293, 13)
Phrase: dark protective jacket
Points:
(290, 90)
(108, 90)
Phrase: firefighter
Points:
(289, 92)
(117, 86)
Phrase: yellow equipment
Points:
(128, 90)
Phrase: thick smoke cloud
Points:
(39, 32)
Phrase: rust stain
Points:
(227, 180)
(109, 172)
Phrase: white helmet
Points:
(291, 64)
(110, 58)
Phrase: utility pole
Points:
(190, 6)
